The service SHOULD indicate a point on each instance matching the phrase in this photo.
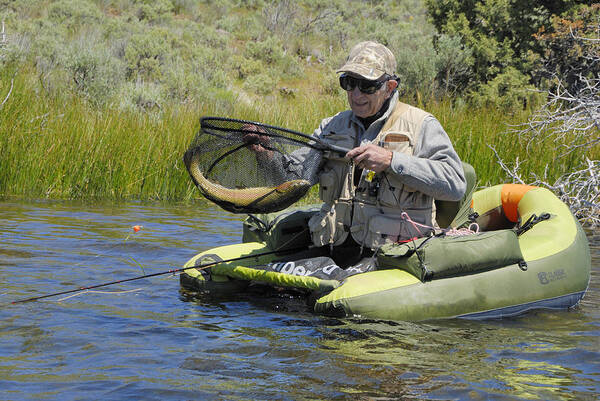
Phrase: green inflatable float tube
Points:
(530, 253)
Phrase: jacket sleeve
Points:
(434, 169)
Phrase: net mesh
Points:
(249, 167)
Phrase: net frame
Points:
(226, 140)
(208, 127)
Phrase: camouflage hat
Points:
(370, 60)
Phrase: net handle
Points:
(206, 126)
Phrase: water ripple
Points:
(149, 339)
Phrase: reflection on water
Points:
(148, 339)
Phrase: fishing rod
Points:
(172, 271)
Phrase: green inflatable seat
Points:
(456, 213)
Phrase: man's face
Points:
(364, 105)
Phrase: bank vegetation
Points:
(100, 98)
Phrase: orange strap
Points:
(511, 195)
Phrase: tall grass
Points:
(475, 131)
(62, 147)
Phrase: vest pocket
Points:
(393, 192)
(329, 186)
(377, 229)
(398, 141)
(384, 229)
(329, 225)
(372, 228)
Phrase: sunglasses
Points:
(369, 87)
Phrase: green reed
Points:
(475, 131)
(59, 146)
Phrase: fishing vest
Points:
(379, 209)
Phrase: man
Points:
(402, 159)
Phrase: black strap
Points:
(532, 221)
(259, 222)
(473, 217)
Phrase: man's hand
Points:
(259, 144)
(371, 157)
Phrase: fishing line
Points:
(135, 230)
(172, 271)
(100, 292)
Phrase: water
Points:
(148, 340)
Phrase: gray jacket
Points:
(434, 169)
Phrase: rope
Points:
(416, 225)
(473, 228)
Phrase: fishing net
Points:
(250, 167)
